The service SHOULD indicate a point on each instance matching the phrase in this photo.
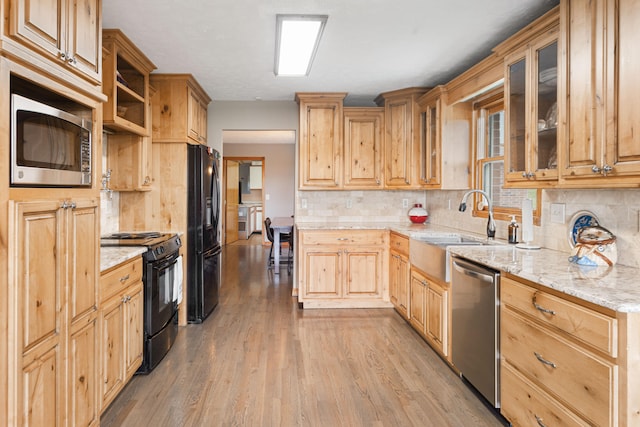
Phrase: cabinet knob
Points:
(72, 60)
(595, 169)
(606, 169)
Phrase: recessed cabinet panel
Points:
(517, 116)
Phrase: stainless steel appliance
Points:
(475, 311)
(160, 303)
(203, 218)
(49, 146)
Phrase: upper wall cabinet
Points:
(401, 143)
(363, 134)
(126, 83)
(179, 109)
(602, 142)
(444, 135)
(531, 104)
(321, 124)
(64, 31)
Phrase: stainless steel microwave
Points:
(49, 147)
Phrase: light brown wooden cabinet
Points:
(531, 105)
(401, 142)
(399, 273)
(429, 304)
(179, 109)
(52, 373)
(342, 268)
(601, 147)
(65, 32)
(121, 320)
(363, 134)
(321, 140)
(442, 158)
(125, 82)
(545, 356)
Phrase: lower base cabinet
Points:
(121, 320)
(342, 268)
(429, 302)
(399, 273)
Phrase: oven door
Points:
(160, 298)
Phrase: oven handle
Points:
(167, 261)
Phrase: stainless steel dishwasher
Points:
(475, 311)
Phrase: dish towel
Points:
(177, 281)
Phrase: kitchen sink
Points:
(431, 255)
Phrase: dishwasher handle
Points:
(473, 270)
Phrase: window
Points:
(489, 142)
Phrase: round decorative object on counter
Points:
(579, 220)
(418, 214)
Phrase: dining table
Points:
(280, 225)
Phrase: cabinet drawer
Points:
(343, 237)
(524, 404)
(399, 244)
(588, 326)
(587, 384)
(118, 279)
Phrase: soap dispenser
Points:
(513, 230)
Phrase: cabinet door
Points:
(362, 147)
(323, 272)
(394, 276)
(403, 281)
(134, 334)
(84, 40)
(112, 348)
(418, 298)
(83, 374)
(398, 144)
(196, 118)
(320, 144)
(437, 315)
(430, 137)
(40, 23)
(41, 400)
(363, 273)
(82, 248)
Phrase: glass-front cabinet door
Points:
(531, 95)
(430, 106)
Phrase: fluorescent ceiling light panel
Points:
(297, 39)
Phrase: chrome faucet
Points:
(491, 224)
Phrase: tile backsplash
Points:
(617, 210)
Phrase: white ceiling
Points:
(368, 46)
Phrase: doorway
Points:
(243, 198)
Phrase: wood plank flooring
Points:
(258, 360)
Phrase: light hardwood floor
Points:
(258, 360)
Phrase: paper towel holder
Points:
(527, 226)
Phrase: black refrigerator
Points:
(203, 245)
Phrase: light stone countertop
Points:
(616, 288)
(111, 256)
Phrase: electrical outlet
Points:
(303, 203)
(557, 213)
(349, 203)
(405, 203)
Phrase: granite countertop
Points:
(614, 287)
(111, 256)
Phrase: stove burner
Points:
(141, 235)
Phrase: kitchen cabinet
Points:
(53, 312)
(125, 82)
(129, 159)
(65, 32)
(443, 157)
(320, 142)
(179, 109)
(401, 142)
(399, 276)
(548, 343)
(363, 134)
(531, 107)
(429, 310)
(600, 146)
(341, 268)
(121, 320)
(255, 177)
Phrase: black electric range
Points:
(158, 244)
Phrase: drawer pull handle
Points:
(342, 238)
(124, 278)
(540, 308)
(545, 361)
(539, 420)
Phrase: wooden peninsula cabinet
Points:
(565, 361)
(53, 372)
(343, 268)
